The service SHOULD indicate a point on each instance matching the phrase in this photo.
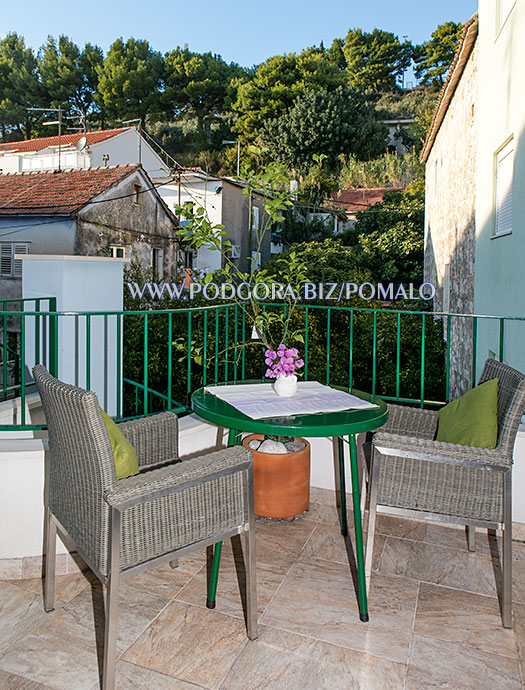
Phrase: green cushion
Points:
(124, 455)
(471, 420)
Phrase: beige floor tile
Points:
(228, 601)
(280, 660)
(462, 617)
(190, 643)
(280, 543)
(132, 677)
(61, 653)
(10, 681)
(327, 543)
(437, 664)
(20, 612)
(136, 611)
(400, 527)
(167, 581)
(320, 512)
(440, 565)
(66, 586)
(325, 496)
(519, 632)
(318, 599)
(456, 537)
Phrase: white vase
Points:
(285, 386)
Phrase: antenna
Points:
(81, 144)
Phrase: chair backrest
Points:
(81, 464)
(511, 401)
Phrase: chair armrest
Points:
(410, 421)
(438, 451)
(155, 484)
(154, 438)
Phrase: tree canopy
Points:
(328, 123)
(433, 58)
(376, 59)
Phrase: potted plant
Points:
(281, 479)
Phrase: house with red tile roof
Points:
(121, 146)
(106, 211)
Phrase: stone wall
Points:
(450, 203)
(139, 223)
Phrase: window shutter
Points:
(6, 259)
(504, 181)
(17, 263)
(255, 218)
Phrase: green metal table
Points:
(328, 424)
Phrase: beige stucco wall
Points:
(450, 204)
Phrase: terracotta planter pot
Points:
(281, 480)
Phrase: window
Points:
(158, 262)
(117, 252)
(9, 266)
(255, 218)
(136, 193)
(504, 164)
(504, 8)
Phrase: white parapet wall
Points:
(22, 483)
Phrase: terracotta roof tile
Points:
(64, 192)
(360, 199)
(41, 143)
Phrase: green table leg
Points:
(360, 556)
(233, 440)
(342, 486)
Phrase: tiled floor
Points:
(434, 618)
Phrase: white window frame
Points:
(503, 189)
(9, 266)
(255, 218)
(157, 261)
(114, 249)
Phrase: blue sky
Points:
(246, 32)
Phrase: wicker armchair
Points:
(411, 474)
(123, 527)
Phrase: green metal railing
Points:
(141, 362)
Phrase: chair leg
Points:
(471, 537)
(212, 591)
(50, 561)
(112, 595)
(373, 480)
(342, 485)
(507, 551)
(251, 574)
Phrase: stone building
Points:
(449, 153)
(108, 211)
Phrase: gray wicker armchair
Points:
(411, 474)
(123, 527)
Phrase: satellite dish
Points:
(81, 144)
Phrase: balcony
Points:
(434, 613)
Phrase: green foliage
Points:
(388, 170)
(198, 83)
(331, 123)
(376, 60)
(388, 239)
(433, 58)
(277, 83)
(130, 80)
(19, 86)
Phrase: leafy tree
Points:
(336, 53)
(331, 123)
(198, 83)
(69, 75)
(19, 86)
(376, 60)
(433, 58)
(130, 80)
(278, 82)
(388, 239)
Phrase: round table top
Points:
(213, 409)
